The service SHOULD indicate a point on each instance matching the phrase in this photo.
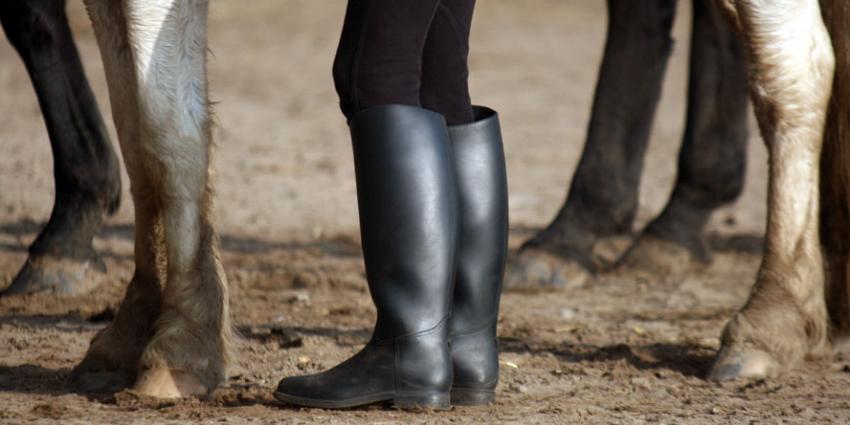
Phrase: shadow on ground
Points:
(686, 359)
(338, 246)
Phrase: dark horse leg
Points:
(603, 197)
(85, 167)
(713, 159)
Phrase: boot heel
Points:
(427, 401)
(472, 396)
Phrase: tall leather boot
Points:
(479, 163)
(408, 222)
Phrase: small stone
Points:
(568, 314)
(519, 388)
(511, 365)
(558, 372)
(710, 342)
(299, 297)
(566, 329)
(641, 383)
(304, 360)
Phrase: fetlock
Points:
(774, 332)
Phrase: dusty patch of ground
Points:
(624, 349)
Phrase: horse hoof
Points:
(57, 275)
(99, 373)
(535, 269)
(168, 383)
(750, 364)
(100, 381)
(660, 257)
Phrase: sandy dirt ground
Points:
(625, 348)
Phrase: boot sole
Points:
(426, 401)
(472, 396)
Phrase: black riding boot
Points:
(408, 219)
(482, 248)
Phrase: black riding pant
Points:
(408, 52)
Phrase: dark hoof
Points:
(96, 374)
(57, 275)
(743, 363)
(100, 381)
(534, 269)
(651, 254)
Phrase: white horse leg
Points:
(155, 55)
(792, 66)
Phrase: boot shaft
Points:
(479, 163)
(408, 215)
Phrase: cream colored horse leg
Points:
(792, 64)
(112, 360)
(154, 52)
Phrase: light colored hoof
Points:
(535, 269)
(57, 275)
(659, 257)
(743, 363)
(165, 383)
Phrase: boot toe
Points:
(309, 391)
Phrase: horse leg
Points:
(792, 64)
(603, 196)
(112, 360)
(85, 168)
(155, 56)
(713, 158)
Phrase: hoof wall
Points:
(57, 275)
(749, 364)
(538, 270)
(659, 257)
(165, 383)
